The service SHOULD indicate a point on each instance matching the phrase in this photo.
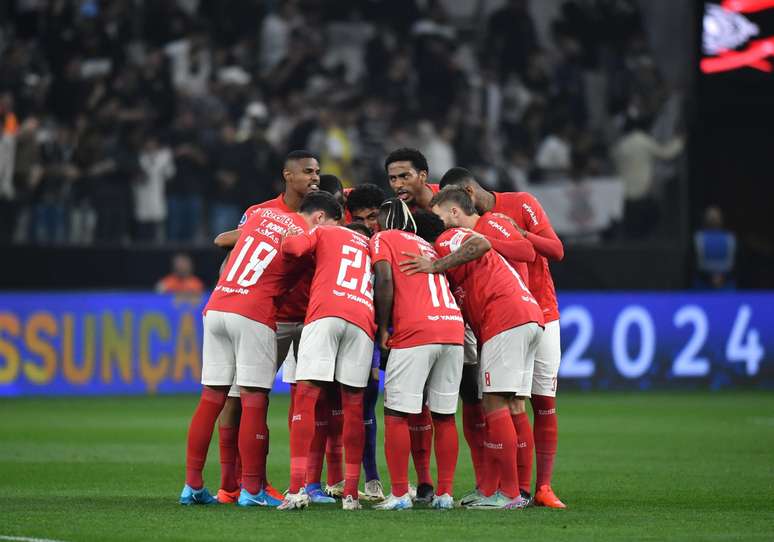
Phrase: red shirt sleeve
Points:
(506, 239)
(380, 249)
(540, 232)
(300, 245)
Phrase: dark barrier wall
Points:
(132, 343)
(44, 268)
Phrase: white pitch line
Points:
(27, 539)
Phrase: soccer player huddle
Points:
(446, 287)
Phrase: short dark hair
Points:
(457, 175)
(360, 228)
(321, 201)
(300, 155)
(429, 225)
(404, 154)
(455, 195)
(330, 183)
(365, 196)
(395, 215)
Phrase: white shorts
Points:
(287, 333)
(547, 358)
(334, 349)
(237, 349)
(435, 367)
(508, 359)
(471, 347)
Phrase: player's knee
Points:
(517, 405)
(494, 401)
(439, 417)
(229, 416)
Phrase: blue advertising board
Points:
(138, 343)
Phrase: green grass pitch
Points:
(666, 466)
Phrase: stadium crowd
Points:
(157, 121)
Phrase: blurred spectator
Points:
(185, 191)
(50, 195)
(437, 148)
(157, 166)
(9, 126)
(511, 37)
(634, 155)
(181, 280)
(232, 173)
(555, 151)
(715, 253)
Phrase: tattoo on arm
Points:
(472, 249)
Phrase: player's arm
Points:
(227, 239)
(519, 250)
(384, 291)
(540, 233)
(298, 245)
(471, 249)
(223, 263)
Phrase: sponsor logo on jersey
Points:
(338, 293)
(499, 227)
(532, 214)
(242, 220)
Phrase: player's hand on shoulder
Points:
(416, 263)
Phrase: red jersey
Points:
(424, 310)
(291, 307)
(255, 275)
(493, 296)
(342, 286)
(497, 228)
(527, 212)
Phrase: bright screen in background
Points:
(738, 36)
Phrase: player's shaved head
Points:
(300, 154)
(458, 176)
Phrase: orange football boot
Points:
(227, 497)
(545, 496)
(272, 491)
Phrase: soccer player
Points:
(363, 204)
(373, 490)
(301, 175)
(459, 212)
(407, 172)
(336, 347)
(528, 215)
(240, 345)
(425, 352)
(508, 324)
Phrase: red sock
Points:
(228, 446)
(474, 427)
(200, 434)
(447, 447)
(397, 447)
(292, 405)
(421, 431)
(500, 454)
(314, 463)
(253, 439)
(301, 433)
(334, 447)
(238, 465)
(353, 436)
(525, 449)
(545, 437)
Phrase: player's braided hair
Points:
(397, 215)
